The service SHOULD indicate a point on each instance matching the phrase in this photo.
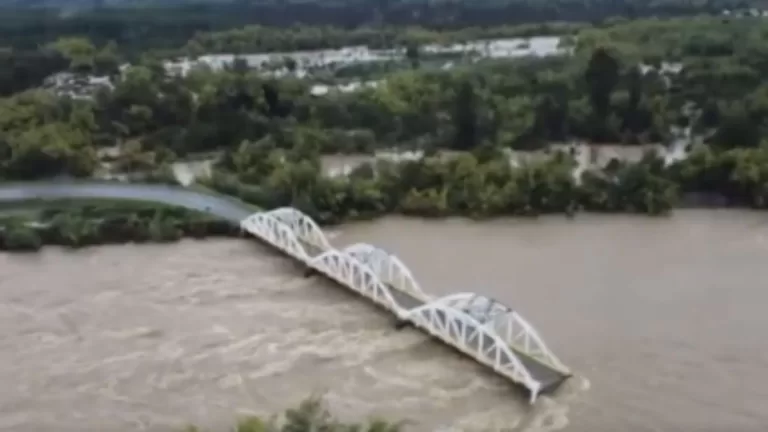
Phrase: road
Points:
(222, 207)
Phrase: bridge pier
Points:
(401, 324)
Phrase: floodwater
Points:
(662, 320)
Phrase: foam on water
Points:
(152, 337)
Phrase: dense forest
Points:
(620, 82)
(167, 25)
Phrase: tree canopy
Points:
(626, 83)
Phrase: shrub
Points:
(20, 238)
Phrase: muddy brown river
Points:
(663, 321)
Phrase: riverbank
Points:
(485, 184)
(83, 213)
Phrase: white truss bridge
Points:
(485, 330)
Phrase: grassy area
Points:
(38, 208)
(28, 225)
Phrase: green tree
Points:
(465, 117)
(602, 76)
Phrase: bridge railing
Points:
(372, 272)
(511, 327)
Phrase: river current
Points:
(662, 320)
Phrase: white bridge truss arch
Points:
(508, 324)
(464, 332)
(352, 273)
(303, 227)
(275, 233)
(486, 330)
(388, 268)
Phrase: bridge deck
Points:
(549, 377)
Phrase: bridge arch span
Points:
(469, 335)
(507, 323)
(303, 226)
(276, 233)
(348, 271)
(387, 267)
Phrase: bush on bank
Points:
(107, 223)
(484, 183)
(19, 237)
(479, 184)
(310, 415)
